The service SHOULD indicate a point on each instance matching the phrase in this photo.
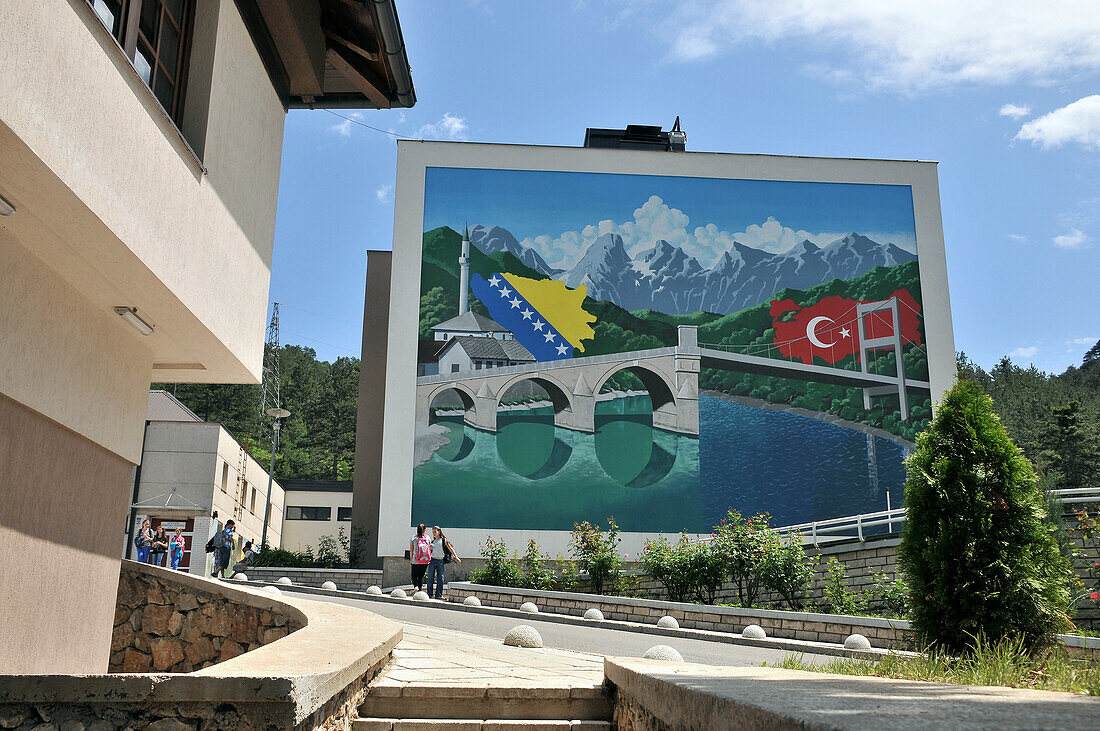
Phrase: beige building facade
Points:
(314, 509)
(140, 145)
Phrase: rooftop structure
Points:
(638, 137)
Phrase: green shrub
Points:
(837, 597)
(689, 570)
(979, 556)
(283, 558)
(744, 543)
(498, 569)
(533, 574)
(597, 552)
(787, 570)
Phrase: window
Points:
(308, 512)
(343, 513)
(156, 37)
(477, 365)
(252, 502)
(225, 477)
(454, 367)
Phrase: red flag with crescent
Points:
(828, 329)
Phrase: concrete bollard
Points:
(857, 642)
(754, 632)
(529, 607)
(374, 590)
(668, 622)
(663, 652)
(272, 591)
(240, 577)
(593, 613)
(523, 635)
(330, 585)
(285, 581)
(421, 596)
(472, 601)
(398, 594)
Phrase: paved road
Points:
(569, 636)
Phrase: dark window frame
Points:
(128, 34)
(309, 510)
(342, 512)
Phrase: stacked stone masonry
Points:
(345, 579)
(171, 628)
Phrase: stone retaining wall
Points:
(883, 633)
(167, 627)
(346, 579)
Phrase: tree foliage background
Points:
(317, 440)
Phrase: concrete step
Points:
(468, 724)
(479, 704)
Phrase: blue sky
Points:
(1005, 95)
(559, 214)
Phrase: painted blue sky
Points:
(1006, 96)
(559, 214)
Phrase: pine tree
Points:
(979, 556)
(1092, 356)
(1071, 448)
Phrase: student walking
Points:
(143, 541)
(442, 553)
(176, 548)
(159, 547)
(420, 555)
(223, 548)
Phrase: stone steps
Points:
(466, 724)
(453, 707)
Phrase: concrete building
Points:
(140, 144)
(191, 470)
(315, 508)
(471, 353)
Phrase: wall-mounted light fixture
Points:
(130, 315)
(6, 209)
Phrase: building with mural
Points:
(656, 337)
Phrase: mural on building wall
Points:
(662, 349)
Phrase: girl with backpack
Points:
(143, 541)
(176, 548)
(442, 552)
(420, 554)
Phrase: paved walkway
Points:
(429, 656)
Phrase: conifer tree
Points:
(1071, 448)
(977, 551)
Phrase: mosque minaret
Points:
(464, 273)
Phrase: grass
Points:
(1004, 663)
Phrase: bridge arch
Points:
(465, 396)
(557, 391)
(662, 391)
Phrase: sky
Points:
(1003, 94)
(560, 214)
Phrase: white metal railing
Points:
(815, 530)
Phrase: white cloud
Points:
(1026, 352)
(655, 220)
(1077, 122)
(1014, 110)
(1083, 341)
(343, 127)
(1073, 240)
(383, 193)
(1018, 238)
(904, 44)
(449, 127)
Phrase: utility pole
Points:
(270, 406)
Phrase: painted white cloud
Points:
(449, 127)
(1026, 352)
(655, 220)
(383, 193)
(905, 44)
(1075, 239)
(1015, 111)
(1077, 122)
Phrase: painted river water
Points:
(531, 475)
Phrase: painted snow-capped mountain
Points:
(667, 279)
(490, 240)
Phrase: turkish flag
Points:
(828, 329)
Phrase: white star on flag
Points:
(515, 303)
(549, 337)
(504, 292)
(561, 349)
(527, 314)
(844, 332)
(538, 324)
(494, 281)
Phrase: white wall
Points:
(297, 534)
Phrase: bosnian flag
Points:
(828, 329)
(544, 315)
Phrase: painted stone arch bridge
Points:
(670, 375)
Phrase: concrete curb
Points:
(774, 643)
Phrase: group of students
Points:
(430, 556)
(153, 546)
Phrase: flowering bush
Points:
(534, 575)
(745, 544)
(690, 569)
(597, 553)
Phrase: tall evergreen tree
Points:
(1072, 448)
(980, 558)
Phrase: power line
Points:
(376, 129)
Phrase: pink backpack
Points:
(423, 550)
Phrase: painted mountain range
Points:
(666, 279)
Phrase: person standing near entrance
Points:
(223, 548)
(143, 541)
(442, 553)
(175, 549)
(159, 548)
(420, 555)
